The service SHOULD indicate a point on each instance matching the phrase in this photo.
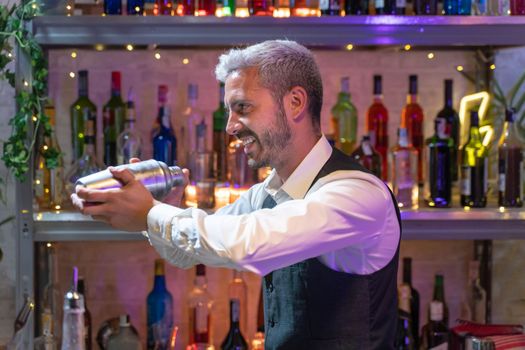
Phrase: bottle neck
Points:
(448, 93)
(411, 99)
(439, 290)
(83, 87)
(159, 282)
(378, 98)
(407, 271)
(200, 282)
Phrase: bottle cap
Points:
(115, 82)
(509, 114)
(124, 320)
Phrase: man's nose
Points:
(234, 125)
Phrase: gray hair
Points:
(282, 64)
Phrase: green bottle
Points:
(114, 114)
(474, 168)
(81, 111)
(220, 137)
(344, 119)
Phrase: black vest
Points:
(308, 306)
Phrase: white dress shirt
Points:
(347, 219)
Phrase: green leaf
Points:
(515, 89)
(499, 93)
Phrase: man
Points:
(322, 231)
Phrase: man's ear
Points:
(297, 101)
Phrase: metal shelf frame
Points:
(463, 31)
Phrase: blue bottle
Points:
(113, 7)
(159, 311)
(135, 7)
(457, 7)
(164, 140)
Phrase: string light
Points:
(430, 55)
(49, 245)
(35, 118)
(74, 54)
(185, 61)
(10, 55)
(157, 55)
(45, 147)
(407, 47)
(137, 9)
(492, 66)
(99, 47)
(72, 75)
(349, 47)
(26, 84)
(129, 47)
(459, 68)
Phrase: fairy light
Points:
(10, 55)
(137, 9)
(501, 209)
(49, 245)
(185, 61)
(157, 55)
(72, 75)
(99, 47)
(459, 68)
(430, 55)
(74, 54)
(45, 147)
(349, 47)
(129, 47)
(492, 66)
(35, 118)
(26, 84)
(407, 47)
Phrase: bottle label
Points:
(373, 138)
(436, 310)
(379, 4)
(324, 5)
(367, 150)
(201, 318)
(465, 181)
(39, 183)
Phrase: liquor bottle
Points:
(51, 297)
(425, 7)
(479, 8)
(135, 7)
(367, 156)
(185, 8)
(461, 7)
(413, 298)
(88, 328)
(510, 165)
(476, 305)
(474, 168)
(234, 339)
(281, 8)
(439, 295)
(261, 7)
(237, 290)
(47, 340)
(356, 7)
(377, 125)
(404, 172)
(112, 7)
(225, 8)
(125, 338)
(129, 142)
(159, 311)
(404, 337)
(401, 6)
(200, 303)
(385, 7)
(164, 140)
(73, 323)
(242, 8)
(163, 8)
(439, 148)
(150, 7)
(113, 117)
(330, 7)
(517, 7)
(193, 117)
(204, 8)
(412, 115)
(81, 111)
(452, 126)
(221, 139)
(306, 8)
(49, 181)
(434, 334)
(344, 119)
(240, 174)
(88, 163)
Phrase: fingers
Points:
(186, 173)
(134, 160)
(125, 176)
(91, 195)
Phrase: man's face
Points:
(256, 119)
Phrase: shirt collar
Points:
(301, 179)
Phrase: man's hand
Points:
(125, 208)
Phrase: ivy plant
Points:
(30, 98)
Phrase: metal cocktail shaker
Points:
(156, 176)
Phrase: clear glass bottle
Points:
(159, 311)
(221, 139)
(200, 303)
(73, 324)
(52, 297)
(129, 142)
(193, 117)
(404, 172)
(344, 119)
(125, 339)
(474, 168)
(510, 165)
(88, 163)
(367, 156)
(47, 340)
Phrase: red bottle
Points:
(205, 7)
(517, 7)
(377, 125)
(261, 7)
(412, 117)
(185, 8)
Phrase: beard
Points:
(271, 143)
